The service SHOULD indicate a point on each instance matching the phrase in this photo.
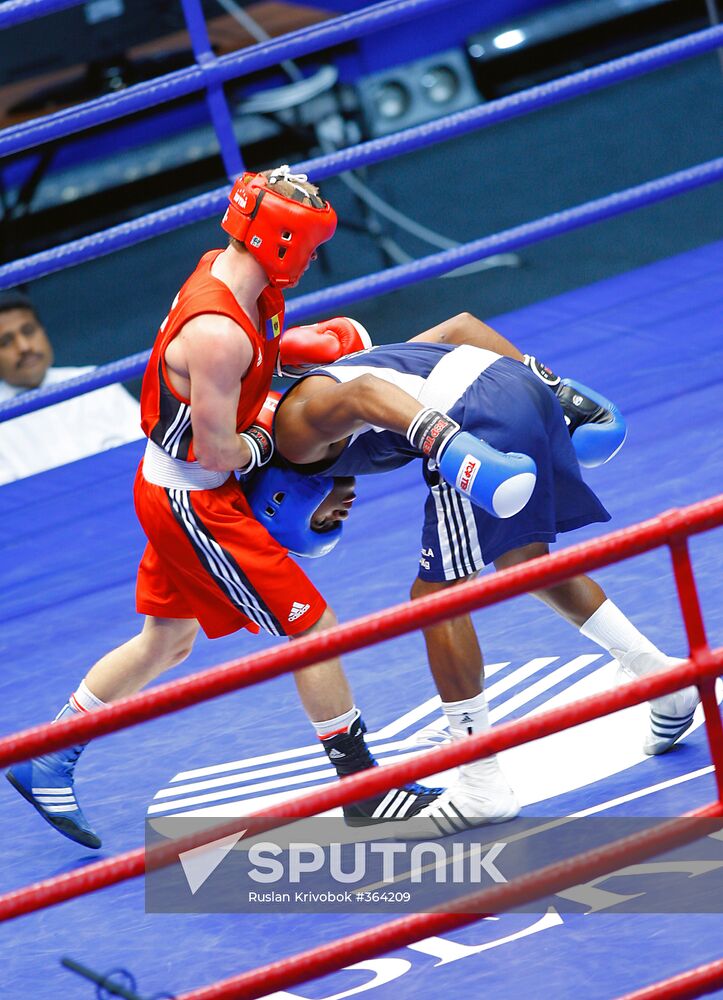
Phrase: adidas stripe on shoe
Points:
(670, 718)
(465, 806)
(47, 783)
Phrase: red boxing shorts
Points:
(208, 558)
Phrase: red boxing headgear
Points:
(282, 232)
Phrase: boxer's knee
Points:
(522, 554)
(168, 641)
(422, 588)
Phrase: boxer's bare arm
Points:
(217, 354)
(319, 414)
(467, 329)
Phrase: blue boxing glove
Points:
(499, 482)
(596, 425)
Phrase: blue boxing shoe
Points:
(47, 784)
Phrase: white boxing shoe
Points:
(466, 804)
(670, 716)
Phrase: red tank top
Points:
(166, 415)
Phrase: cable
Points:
(116, 983)
(382, 207)
(291, 95)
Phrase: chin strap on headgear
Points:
(285, 501)
(281, 231)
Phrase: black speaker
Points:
(417, 92)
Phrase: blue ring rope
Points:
(17, 11)
(182, 82)
(213, 202)
(396, 277)
(35, 399)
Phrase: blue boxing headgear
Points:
(284, 502)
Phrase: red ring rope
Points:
(670, 527)
(694, 983)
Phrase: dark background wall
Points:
(465, 189)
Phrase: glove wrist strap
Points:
(544, 373)
(430, 432)
(260, 445)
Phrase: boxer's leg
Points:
(161, 644)
(453, 651)
(481, 794)
(327, 698)
(48, 781)
(575, 600)
(585, 605)
(323, 687)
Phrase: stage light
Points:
(509, 39)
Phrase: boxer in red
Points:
(208, 562)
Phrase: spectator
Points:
(63, 432)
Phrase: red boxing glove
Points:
(258, 436)
(302, 348)
(265, 416)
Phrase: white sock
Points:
(342, 722)
(469, 718)
(82, 700)
(609, 628)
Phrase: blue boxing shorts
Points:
(511, 409)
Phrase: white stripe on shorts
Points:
(445, 550)
(459, 548)
(222, 570)
(470, 537)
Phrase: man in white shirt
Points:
(64, 432)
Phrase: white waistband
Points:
(454, 374)
(173, 473)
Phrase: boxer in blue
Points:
(502, 439)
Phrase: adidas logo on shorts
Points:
(297, 610)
